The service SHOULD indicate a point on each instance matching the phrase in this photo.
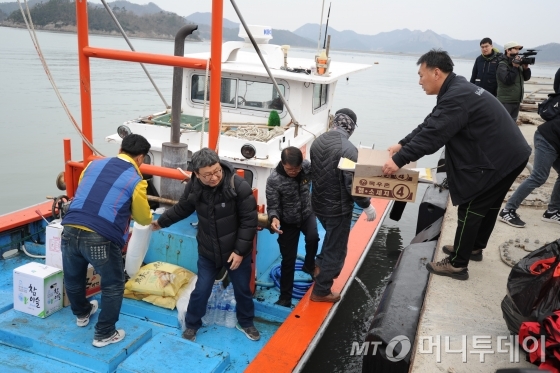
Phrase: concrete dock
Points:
(461, 327)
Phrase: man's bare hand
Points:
(235, 261)
(394, 149)
(275, 226)
(155, 225)
(390, 167)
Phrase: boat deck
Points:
(153, 340)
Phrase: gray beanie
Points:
(345, 122)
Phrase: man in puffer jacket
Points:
(227, 224)
(333, 202)
(289, 211)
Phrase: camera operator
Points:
(484, 69)
(511, 76)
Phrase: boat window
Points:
(259, 95)
(248, 175)
(229, 87)
(241, 94)
(320, 92)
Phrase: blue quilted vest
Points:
(104, 198)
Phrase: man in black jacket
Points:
(227, 224)
(484, 153)
(484, 69)
(288, 202)
(333, 202)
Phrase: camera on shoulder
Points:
(525, 57)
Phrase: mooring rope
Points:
(35, 40)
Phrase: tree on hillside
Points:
(63, 13)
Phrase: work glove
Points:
(370, 212)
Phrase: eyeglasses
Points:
(209, 175)
(292, 170)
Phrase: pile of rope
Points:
(255, 133)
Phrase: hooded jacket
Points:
(484, 71)
(482, 142)
(227, 217)
(332, 187)
(511, 81)
(289, 198)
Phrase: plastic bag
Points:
(183, 302)
(533, 283)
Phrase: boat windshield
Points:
(241, 94)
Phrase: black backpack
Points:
(550, 108)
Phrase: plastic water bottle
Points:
(221, 307)
(231, 313)
(210, 316)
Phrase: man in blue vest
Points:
(111, 190)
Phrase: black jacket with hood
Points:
(289, 198)
(332, 187)
(227, 217)
(484, 71)
(482, 142)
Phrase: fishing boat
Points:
(243, 83)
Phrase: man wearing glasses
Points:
(227, 224)
(289, 207)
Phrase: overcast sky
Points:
(529, 22)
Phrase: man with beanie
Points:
(511, 77)
(333, 202)
(484, 69)
(484, 153)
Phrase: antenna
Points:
(320, 26)
(327, 26)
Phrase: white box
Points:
(37, 289)
(53, 238)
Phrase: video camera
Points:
(525, 59)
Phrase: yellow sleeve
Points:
(140, 208)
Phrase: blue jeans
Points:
(79, 248)
(333, 253)
(546, 157)
(240, 279)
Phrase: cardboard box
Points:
(53, 253)
(93, 285)
(53, 258)
(369, 180)
(37, 289)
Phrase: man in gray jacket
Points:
(288, 202)
(511, 77)
(333, 202)
(484, 153)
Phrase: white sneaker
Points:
(84, 320)
(117, 337)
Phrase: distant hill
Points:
(206, 19)
(8, 8)
(231, 30)
(137, 9)
(61, 15)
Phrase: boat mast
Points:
(85, 86)
(215, 77)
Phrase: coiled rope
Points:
(300, 287)
(255, 133)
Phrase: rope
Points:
(300, 287)
(35, 40)
(255, 133)
(22, 239)
(204, 107)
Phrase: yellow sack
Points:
(161, 301)
(159, 278)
